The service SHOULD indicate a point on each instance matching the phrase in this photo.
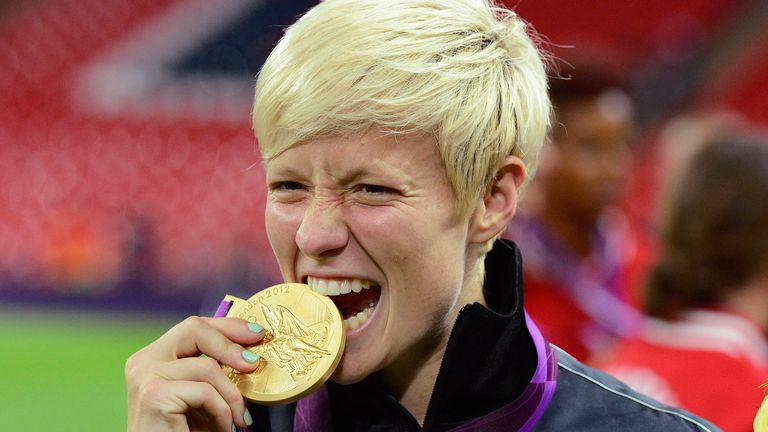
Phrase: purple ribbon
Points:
(223, 309)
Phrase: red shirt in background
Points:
(708, 362)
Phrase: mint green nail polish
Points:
(234, 428)
(255, 327)
(247, 418)
(250, 357)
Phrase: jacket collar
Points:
(490, 357)
(489, 361)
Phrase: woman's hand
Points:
(172, 388)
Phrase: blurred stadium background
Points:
(131, 190)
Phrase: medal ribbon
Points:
(223, 309)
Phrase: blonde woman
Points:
(397, 137)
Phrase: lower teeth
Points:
(355, 321)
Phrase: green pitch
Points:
(63, 371)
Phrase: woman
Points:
(397, 137)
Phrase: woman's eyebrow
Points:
(283, 171)
(364, 173)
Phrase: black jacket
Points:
(488, 362)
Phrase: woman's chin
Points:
(347, 372)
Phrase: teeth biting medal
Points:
(302, 346)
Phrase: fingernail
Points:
(255, 327)
(234, 428)
(250, 356)
(247, 418)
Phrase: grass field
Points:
(63, 370)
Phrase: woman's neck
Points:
(411, 379)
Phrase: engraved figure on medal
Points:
(297, 347)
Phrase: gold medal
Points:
(303, 344)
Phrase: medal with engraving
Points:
(303, 344)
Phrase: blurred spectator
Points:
(139, 263)
(705, 347)
(577, 243)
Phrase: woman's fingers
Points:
(214, 337)
(170, 383)
(206, 370)
(238, 329)
(183, 405)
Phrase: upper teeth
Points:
(333, 287)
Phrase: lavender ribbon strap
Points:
(223, 309)
(313, 413)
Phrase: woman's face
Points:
(372, 214)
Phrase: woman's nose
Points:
(322, 232)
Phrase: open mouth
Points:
(356, 299)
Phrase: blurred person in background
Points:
(578, 246)
(705, 347)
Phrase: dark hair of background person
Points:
(715, 227)
(583, 80)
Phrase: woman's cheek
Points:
(281, 222)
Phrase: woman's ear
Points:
(497, 207)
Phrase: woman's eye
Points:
(287, 186)
(287, 191)
(376, 189)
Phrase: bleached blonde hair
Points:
(466, 72)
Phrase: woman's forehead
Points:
(371, 147)
(350, 158)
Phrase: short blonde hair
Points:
(464, 71)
